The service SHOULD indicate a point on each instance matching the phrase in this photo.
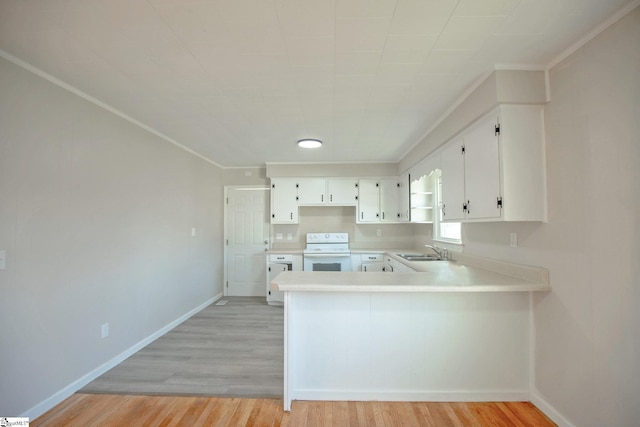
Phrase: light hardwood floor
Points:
(128, 410)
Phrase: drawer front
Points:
(372, 257)
(281, 258)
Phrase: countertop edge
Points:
(361, 282)
(408, 289)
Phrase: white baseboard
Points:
(70, 389)
(413, 396)
(549, 410)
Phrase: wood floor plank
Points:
(357, 414)
(438, 414)
(513, 419)
(193, 412)
(462, 412)
(527, 413)
(341, 412)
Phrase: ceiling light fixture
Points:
(309, 143)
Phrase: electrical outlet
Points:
(379, 232)
(105, 330)
(514, 240)
(289, 236)
(193, 232)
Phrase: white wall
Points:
(96, 217)
(342, 219)
(587, 357)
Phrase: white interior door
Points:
(247, 239)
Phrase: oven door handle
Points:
(325, 255)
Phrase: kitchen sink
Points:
(420, 257)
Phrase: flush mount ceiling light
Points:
(309, 143)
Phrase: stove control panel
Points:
(327, 237)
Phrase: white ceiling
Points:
(239, 81)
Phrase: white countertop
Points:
(468, 274)
(465, 274)
(284, 251)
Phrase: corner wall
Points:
(587, 343)
(96, 217)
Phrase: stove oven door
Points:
(327, 262)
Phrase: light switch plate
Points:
(104, 330)
(3, 260)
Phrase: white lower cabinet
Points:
(393, 266)
(371, 262)
(389, 264)
(276, 264)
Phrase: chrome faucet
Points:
(435, 249)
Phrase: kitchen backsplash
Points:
(342, 219)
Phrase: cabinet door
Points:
(273, 270)
(342, 191)
(312, 191)
(370, 267)
(389, 265)
(389, 200)
(368, 200)
(452, 196)
(404, 200)
(482, 170)
(284, 206)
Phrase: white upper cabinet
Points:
(284, 203)
(482, 170)
(312, 191)
(327, 191)
(368, 200)
(342, 191)
(404, 200)
(495, 170)
(380, 200)
(453, 196)
(389, 200)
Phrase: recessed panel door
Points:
(247, 235)
(482, 170)
(452, 196)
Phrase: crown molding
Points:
(51, 79)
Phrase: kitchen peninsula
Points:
(449, 331)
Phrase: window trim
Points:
(436, 217)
